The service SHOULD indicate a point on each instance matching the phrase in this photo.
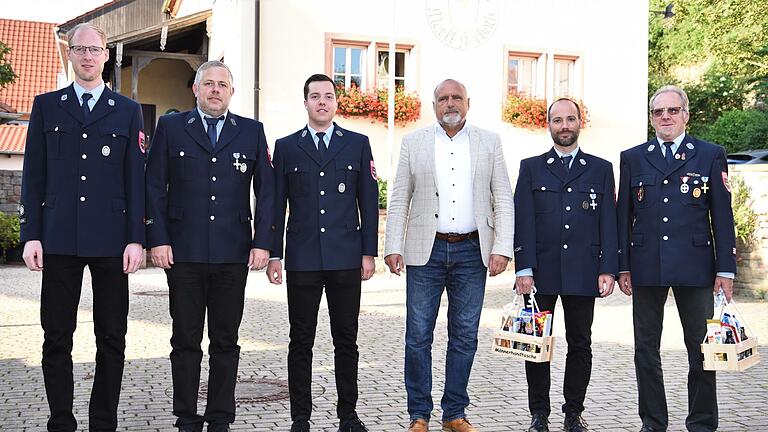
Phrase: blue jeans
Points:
(457, 267)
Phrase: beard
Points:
(452, 119)
(565, 141)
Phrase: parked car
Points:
(749, 157)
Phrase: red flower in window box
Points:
(374, 104)
(530, 113)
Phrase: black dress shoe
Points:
(191, 428)
(574, 423)
(300, 426)
(352, 425)
(539, 423)
(218, 427)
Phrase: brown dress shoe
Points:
(418, 425)
(459, 425)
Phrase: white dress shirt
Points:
(95, 92)
(453, 166)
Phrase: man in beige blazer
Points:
(450, 220)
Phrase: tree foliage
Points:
(739, 130)
(718, 52)
(7, 76)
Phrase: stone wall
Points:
(752, 278)
(10, 191)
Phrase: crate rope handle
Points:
(532, 305)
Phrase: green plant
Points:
(739, 130)
(9, 231)
(7, 76)
(744, 218)
(382, 193)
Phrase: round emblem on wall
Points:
(463, 24)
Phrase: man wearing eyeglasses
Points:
(82, 204)
(675, 231)
(201, 230)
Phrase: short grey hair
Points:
(670, 89)
(73, 31)
(434, 92)
(212, 64)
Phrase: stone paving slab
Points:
(497, 386)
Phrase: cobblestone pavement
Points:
(497, 386)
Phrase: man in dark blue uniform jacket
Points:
(199, 226)
(565, 241)
(675, 230)
(327, 176)
(82, 204)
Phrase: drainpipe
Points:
(257, 40)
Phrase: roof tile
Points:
(34, 59)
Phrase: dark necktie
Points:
(212, 121)
(566, 160)
(321, 148)
(668, 156)
(86, 107)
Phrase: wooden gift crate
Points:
(503, 342)
(731, 352)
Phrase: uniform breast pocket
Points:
(592, 196)
(696, 193)
(297, 179)
(114, 141)
(55, 137)
(177, 159)
(643, 190)
(346, 174)
(544, 197)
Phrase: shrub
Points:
(739, 130)
(382, 193)
(9, 231)
(744, 218)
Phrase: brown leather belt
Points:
(455, 237)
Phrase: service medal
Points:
(585, 205)
(243, 167)
(342, 187)
(684, 188)
(105, 151)
(696, 192)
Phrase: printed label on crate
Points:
(516, 353)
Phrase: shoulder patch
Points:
(142, 143)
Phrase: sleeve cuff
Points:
(524, 272)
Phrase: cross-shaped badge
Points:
(237, 163)
(705, 188)
(593, 204)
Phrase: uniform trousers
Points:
(60, 296)
(695, 305)
(342, 292)
(578, 313)
(219, 290)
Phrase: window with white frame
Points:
(522, 74)
(564, 76)
(364, 62)
(349, 66)
(383, 67)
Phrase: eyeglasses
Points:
(673, 111)
(80, 50)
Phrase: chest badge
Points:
(593, 204)
(243, 167)
(585, 205)
(342, 187)
(704, 186)
(696, 192)
(684, 188)
(237, 163)
(105, 151)
(640, 193)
